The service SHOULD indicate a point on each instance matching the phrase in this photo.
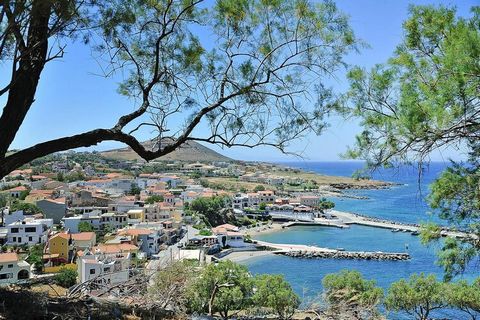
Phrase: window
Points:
(14, 230)
(19, 239)
(31, 229)
(14, 239)
(10, 266)
(106, 269)
(6, 276)
(30, 239)
(92, 271)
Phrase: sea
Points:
(404, 202)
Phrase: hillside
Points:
(189, 152)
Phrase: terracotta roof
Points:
(8, 257)
(136, 232)
(82, 236)
(114, 248)
(42, 192)
(19, 188)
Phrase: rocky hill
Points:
(190, 151)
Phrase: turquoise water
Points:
(403, 203)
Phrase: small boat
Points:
(415, 233)
(395, 230)
(340, 249)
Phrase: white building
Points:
(104, 268)
(71, 223)
(29, 231)
(240, 201)
(113, 220)
(12, 270)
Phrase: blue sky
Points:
(73, 98)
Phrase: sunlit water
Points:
(403, 203)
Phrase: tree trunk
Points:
(25, 79)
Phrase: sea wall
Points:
(358, 255)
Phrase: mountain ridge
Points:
(189, 151)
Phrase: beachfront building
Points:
(289, 212)
(203, 241)
(228, 236)
(13, 270)
(310, 201)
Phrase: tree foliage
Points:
(213, 210)
(464, 296)
(154, 198)
(275, 294)
(66, 277)
(349, 294)
(85, 226)
(222, 288)
(261, 84)
(171, 284)
(425, 99)
(417, 296)
(27, 208)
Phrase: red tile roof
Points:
(8, 257)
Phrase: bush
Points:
(66, 278)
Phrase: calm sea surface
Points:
(403, 203)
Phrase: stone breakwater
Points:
(345, 255)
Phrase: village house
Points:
(148, 240)
(203, 241)
(113, 220)
(71, 223)
(311, 201)
(54, 209)
(16, 192)
(13, 270)
(28, 231)
(228, 236)
(84, 198)
(63, 246)
(104, 268)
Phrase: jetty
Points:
(357, 255)
(306, 251)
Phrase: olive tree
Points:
(233, 73)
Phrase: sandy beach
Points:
(271, 227)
